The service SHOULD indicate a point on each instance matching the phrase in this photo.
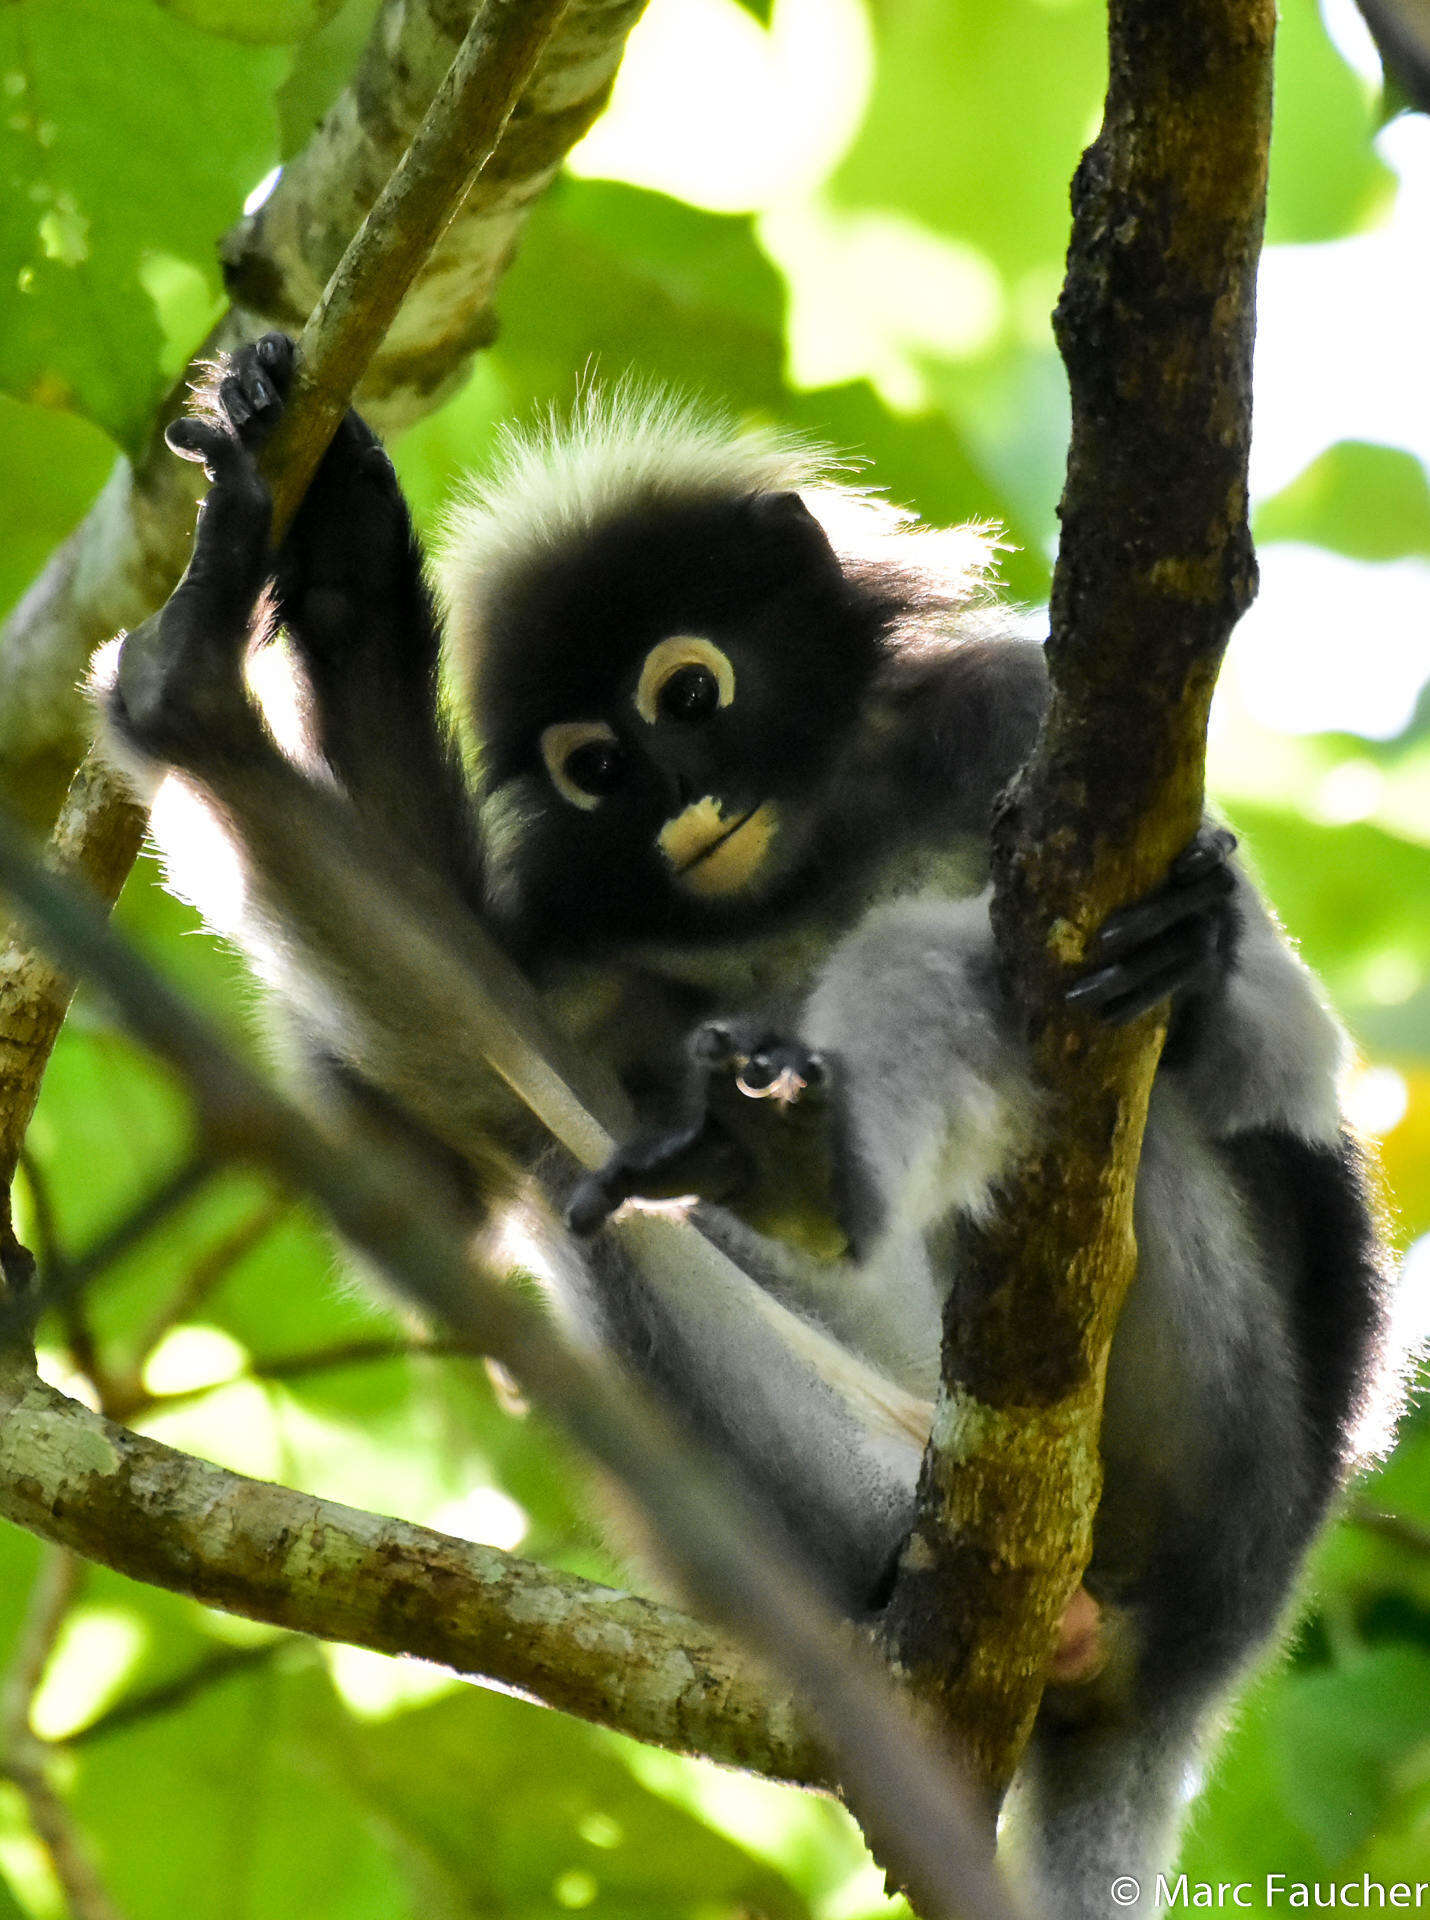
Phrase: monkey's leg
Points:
(1098, 1804)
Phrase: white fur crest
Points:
(638, 445)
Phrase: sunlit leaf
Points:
(1370, 502)
(186, 130)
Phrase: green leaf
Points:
(978, 117)
(612, 278)
(261, 23)
(472, 1806)
(1343, 1738)
(1240, 1828)
(1370, 502)
(1325, 179)
(125, 132)
(1347, 892)
(325, 64)
(52, 464)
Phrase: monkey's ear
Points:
(781, 510)
(784, 520)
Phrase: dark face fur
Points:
(662, 706)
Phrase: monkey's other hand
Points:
(1176, 944)
(764, 1065)
(700, 1161)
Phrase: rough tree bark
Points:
(1155, 324)
(314, 1566)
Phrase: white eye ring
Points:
(558, 743)
(665, 660)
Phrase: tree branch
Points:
(1155, 325)
(507, 54)
(313, 1566)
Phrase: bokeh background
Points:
(850, 215)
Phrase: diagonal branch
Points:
(731, 1554)
(122, 561)
(1155, 324)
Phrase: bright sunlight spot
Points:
(1376, 1099)
(1349, 791)
(1339, 325)
(375, 1686)
(870, 293)
(261, 192)
(487, 1515)
(575, 1889)
(98, 1650)
(756, 117)
(190, 1357)
(1333, 644)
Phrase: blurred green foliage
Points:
(897, 306)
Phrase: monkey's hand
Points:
(246, 395)
(1178, 944)
(700, 1161)
(703, 1160)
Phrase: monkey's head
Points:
(662, 661)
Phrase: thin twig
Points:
(25, 1759)
(458, 135)
(178, 1692)
(1411, 1534)
(61, 1286)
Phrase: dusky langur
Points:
(710, 744)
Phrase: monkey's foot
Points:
(1178, 942)
(248, 393)
(179, 692)
(1081, 1651)
(764, 1065)
(701, 1161)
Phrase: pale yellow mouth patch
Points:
(715, 853)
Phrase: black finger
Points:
(1134, 926)
(194, 439)
(234, 401)
(1181, 954)
(278, 354)
(1152, 992)
(1210, 848)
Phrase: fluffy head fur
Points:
(638, 449)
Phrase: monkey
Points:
(710, 742)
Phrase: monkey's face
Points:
(664, 706)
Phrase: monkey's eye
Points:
(684, 678)
(585, 760)
(689, 694)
